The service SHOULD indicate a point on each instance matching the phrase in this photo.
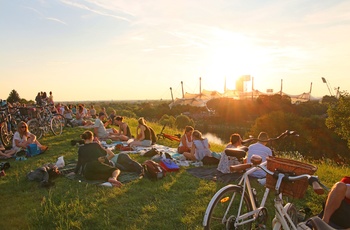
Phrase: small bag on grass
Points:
(153, 170)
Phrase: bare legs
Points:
(113, 180)
(339, 191)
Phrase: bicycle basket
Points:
(295, 189)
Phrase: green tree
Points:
(183, 120)
(339, 117)
(13, 97)
(167, 120)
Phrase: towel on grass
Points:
(124, 177)
(211, 173)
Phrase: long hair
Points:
(20, 130)
(142, 121)
(197, 135)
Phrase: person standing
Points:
(38, 99)
(50, 98)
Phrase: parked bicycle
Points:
(45, 121)
(8, 125)
(162, 135)
(237, 206)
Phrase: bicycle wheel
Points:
(6, 134)
(34, 127)
(56, 125)
(62, 119)
(222, 210)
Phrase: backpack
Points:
(153, 135)
(152, 152)
(153, 170)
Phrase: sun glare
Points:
(231, 56)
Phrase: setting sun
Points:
(231, 56)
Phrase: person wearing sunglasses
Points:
(23, 138)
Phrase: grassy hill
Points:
(176, 202)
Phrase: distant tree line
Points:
(324, 128)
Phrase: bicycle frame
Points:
(282, 218)
(168, 136)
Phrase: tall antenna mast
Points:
(200, 87)
(171, 91)
(182, 87)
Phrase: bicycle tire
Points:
(62, 119)
(227, 200)
(34, 128)
(6, 135)
(56, 125)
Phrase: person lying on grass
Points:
(91, 158)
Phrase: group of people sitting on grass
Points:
(193, 146)
(98, 163)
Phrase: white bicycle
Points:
(237, 206)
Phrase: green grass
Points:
(177, 201)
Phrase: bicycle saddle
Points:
(239, 152)
(318, 224)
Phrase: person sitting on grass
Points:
(186, 140)
(200, 147)
(227, 161)
(124, 133)
(91, 158)
(143, 135)
(261, 150)
(23, 138)
(336, 212)
(6, 153)
(100, 130)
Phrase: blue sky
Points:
(126, 50)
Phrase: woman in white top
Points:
(226, 161)
(22, 138)
(186, 140)
(200, 147)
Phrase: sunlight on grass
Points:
(178, 201)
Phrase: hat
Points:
(101, 114)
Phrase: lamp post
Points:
(329, 89)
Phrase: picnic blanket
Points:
(124, 177)
(211, 173)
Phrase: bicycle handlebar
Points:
(282, 135)
(317, 186)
